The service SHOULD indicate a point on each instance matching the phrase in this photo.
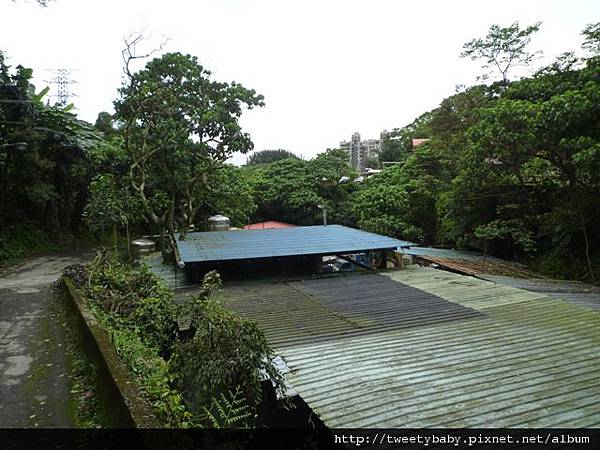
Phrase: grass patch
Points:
(18, 242)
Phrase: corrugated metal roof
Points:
(527, 361)
(322, 309)
(575, 292)
(312, 240)
(382, 302)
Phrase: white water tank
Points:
(218, 223)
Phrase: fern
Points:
(230, 411)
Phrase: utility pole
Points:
(324, 209)
(61, 83)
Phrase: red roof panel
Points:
(268, 225)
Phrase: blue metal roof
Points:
(311, 240)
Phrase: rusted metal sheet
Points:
(467, 263)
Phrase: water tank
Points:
(218, 223)
(143, 245)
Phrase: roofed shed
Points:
(295, 249)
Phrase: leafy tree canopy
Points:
(291, 189)
(178, 127)
(269, 156)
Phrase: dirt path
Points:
(34, 381)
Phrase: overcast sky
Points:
(326, 68)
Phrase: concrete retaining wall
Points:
(116, 391)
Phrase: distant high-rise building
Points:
(360, 151)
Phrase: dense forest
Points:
(511, 167)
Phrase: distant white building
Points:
(360, 151)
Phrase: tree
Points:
(400, 201)
(105, 123)
(380, 206)
(394, 147)
(228, 192)
(111, 206)
(269, 156)
(591, 38)
(45, 156)
(502, 49)
(225, 353)
(397, 144)
(539, 147)
(178, 127)
(291, 189)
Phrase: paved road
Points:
(34, 382)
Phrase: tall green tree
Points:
(397, 144)
(532, 161)
(228, 192)
(178, 127)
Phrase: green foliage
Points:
(178, 128)
(229, 411)
(45, 163)
(105, 123)
(396, 145)
(137, 296)
(228, 192)
(224, 351)
(268, 156)
(291, 189)
(138, 313)
(187, 382)
(397, 204)
(591, 38)
(514, 229)
(525, 177)
(152, 374)
(107, 205)
(510, 166)
(19, 241)
(111, 207)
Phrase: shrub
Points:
(212, 379)
(152, 374)
(138, 296)
(225, 352)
